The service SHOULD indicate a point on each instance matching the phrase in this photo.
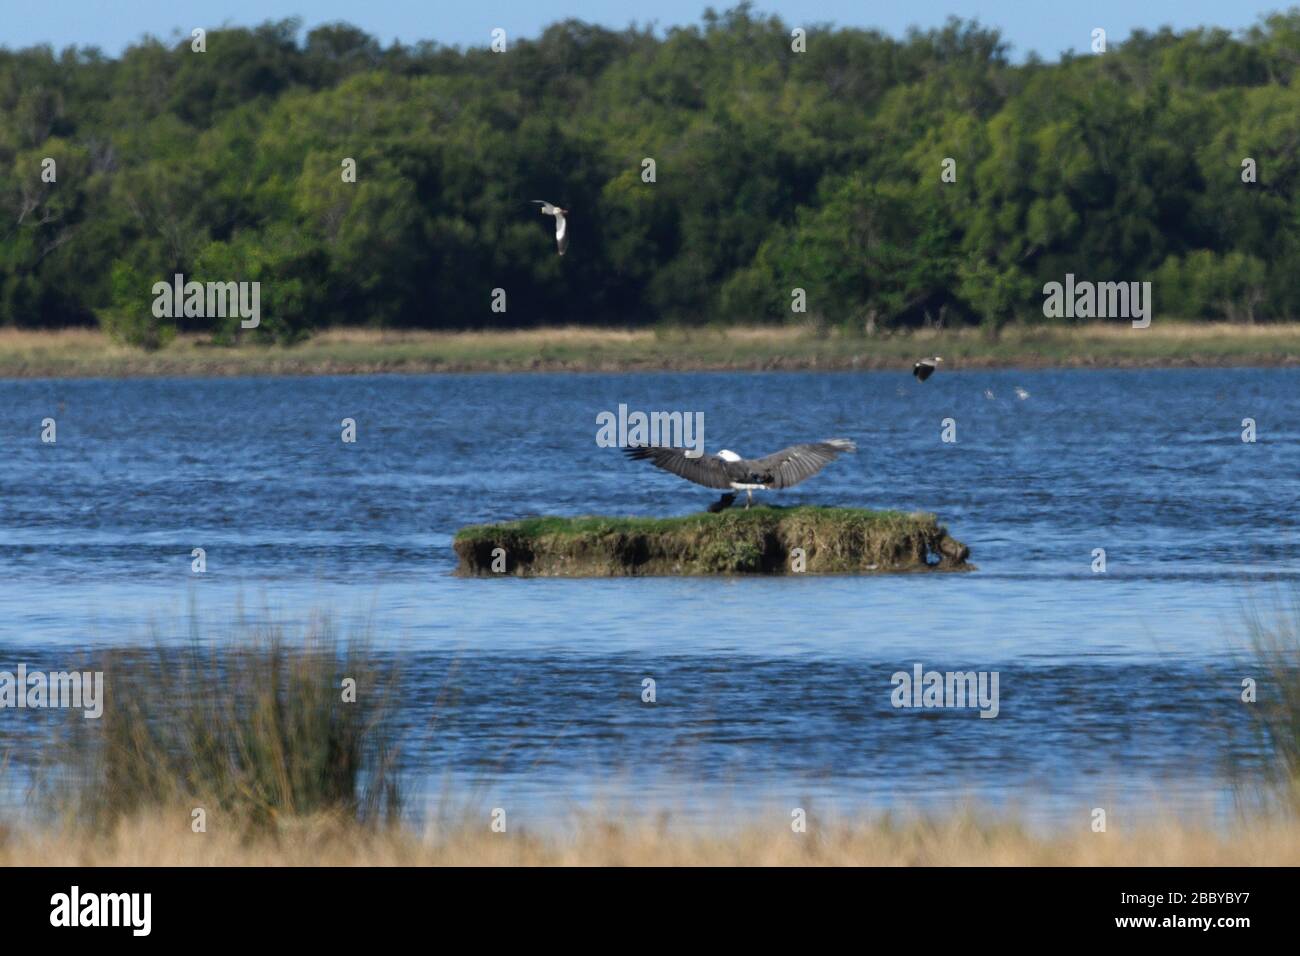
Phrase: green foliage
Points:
(775, 170)
(130, 319)
(287, 268)
(1205, 285)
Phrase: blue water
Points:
(1115, 686)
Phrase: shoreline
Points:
(88, 353)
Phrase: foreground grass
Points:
(84, 353)
(256, 728)
(760, 540)
(1273, 636)
(164, 838)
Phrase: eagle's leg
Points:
(749, 497)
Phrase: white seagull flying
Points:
(561, 226)
(726, 469)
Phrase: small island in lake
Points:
(761, 540)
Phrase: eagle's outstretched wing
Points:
(708, 470)
(789, 466)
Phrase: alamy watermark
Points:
(37, 690)
(1098, 300)
(922, 688)
(654, 429)
(75, 908)
(211, 300)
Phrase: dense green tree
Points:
(895, 181)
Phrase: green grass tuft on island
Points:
(760, 540)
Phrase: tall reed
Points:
(252, 728)
(1273, 636)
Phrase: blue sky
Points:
(1046, 26)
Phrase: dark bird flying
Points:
(925, 368)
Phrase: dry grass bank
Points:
(82, 353)
(164, 839)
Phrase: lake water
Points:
(1117, 689)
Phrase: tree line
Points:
(890, 181)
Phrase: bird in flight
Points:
(726, 469)
(925, 368)
(561, 225)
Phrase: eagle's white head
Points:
(727, 455)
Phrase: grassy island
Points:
(761, 540)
